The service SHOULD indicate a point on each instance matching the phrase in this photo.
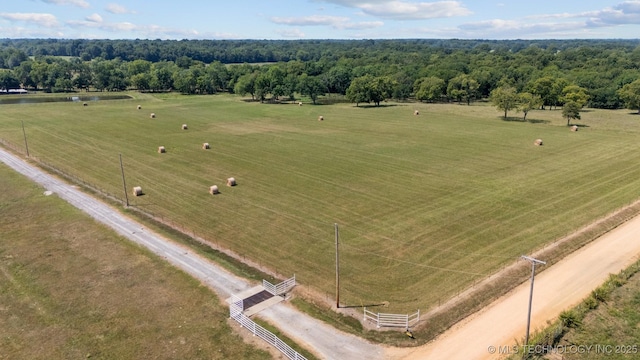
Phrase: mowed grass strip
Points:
(71, 289)
(427, 205)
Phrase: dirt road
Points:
(559, 287)
(323, 340)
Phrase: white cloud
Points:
(78, 3)
(361, 25)
(313, 20)
(579, 24)
(406, 10)
(336, 22)
(511, 29)
(291, 33)
(23, 32)
(118, 9)
(94, 18)
(43, 20)
(140, 31)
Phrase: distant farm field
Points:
(426, 204)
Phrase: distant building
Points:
(14, 91)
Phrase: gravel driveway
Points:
(322, 339)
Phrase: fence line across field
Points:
(391, 320)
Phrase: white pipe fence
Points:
(281, 288)
(235, 310)
(391, 320)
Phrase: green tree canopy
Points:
(528, 102)
(429, 88)
(571, 110)
(576, 94)
(311, 86)
(630, 94)
(8, 80)
(463, 87)
(369, 89)
(505, 98)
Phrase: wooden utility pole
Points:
(534, 262)
(124, 183)
(25, 139)
(337, 269)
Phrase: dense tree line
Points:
(598, 73)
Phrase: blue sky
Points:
(319, 19)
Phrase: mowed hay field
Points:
(71, 288)
(427, 205)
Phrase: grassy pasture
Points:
(426, 204)
(72, 289)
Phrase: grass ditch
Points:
(608, 318)
(71, 288)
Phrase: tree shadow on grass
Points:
(511, 119)
(519, 119)
(370, 106)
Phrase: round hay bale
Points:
(184, 127)
(137, 191)
(139, 107)
(152, 115)
(161, 150)
(231, 182)
(205, 146)
(574, 128)
(416, 112)
(320, 118)
(300, 103)
(538, 142)
(85, 104)
(213, 190)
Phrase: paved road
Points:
(323, 340)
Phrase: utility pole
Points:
(337, 269)
(124, 183)
(25, 138)
(533, 272)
